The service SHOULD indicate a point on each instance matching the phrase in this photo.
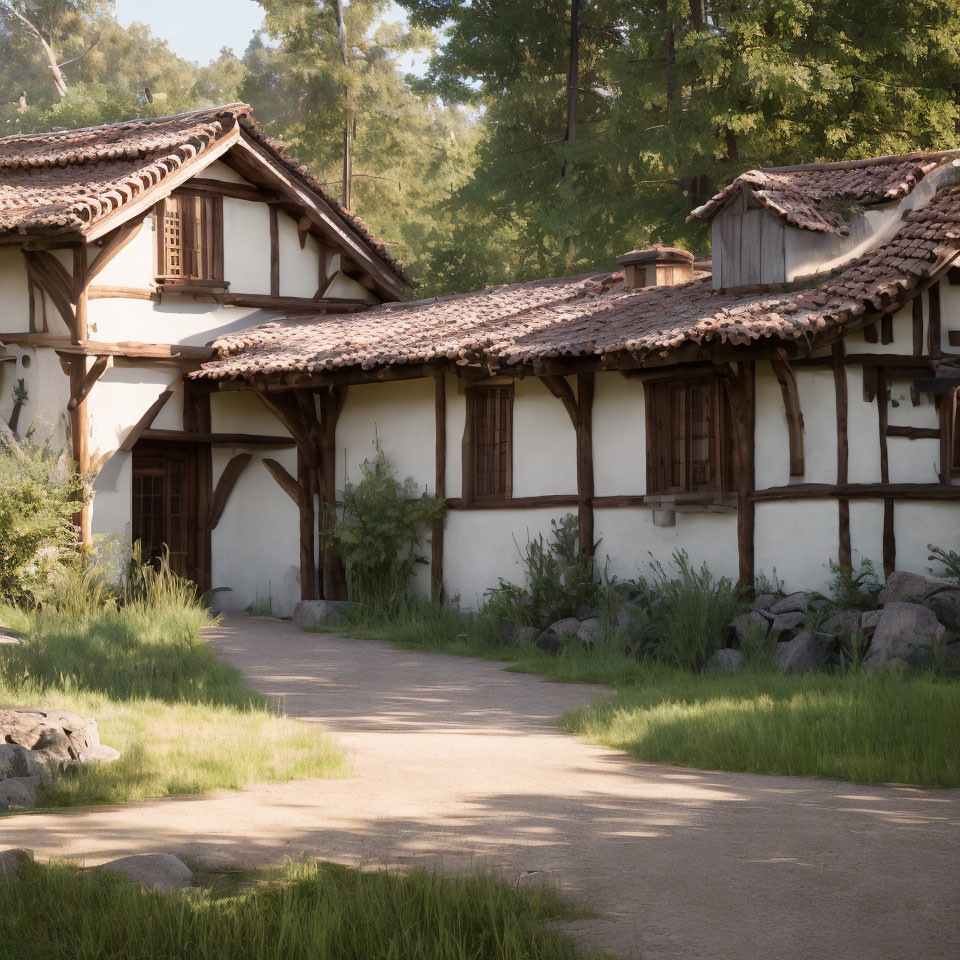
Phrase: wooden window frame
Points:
(475, 395)
(206, 270)
(663, 433)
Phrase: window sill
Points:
(190, 289)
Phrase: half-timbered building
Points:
(223, 345)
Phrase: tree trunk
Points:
(347, 195)
(573, 72)
(671, 61)
(60, 85)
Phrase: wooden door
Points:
(165, 478)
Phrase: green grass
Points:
(184, 721)
(846, 725)
(302, 912)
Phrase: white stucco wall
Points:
(619, 436)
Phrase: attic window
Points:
(189, 238)
(686, 448)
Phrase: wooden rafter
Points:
(114, 244)
(289, 486)
(226, 483)
(49, 274)
(144, 422)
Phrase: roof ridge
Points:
(857, 164)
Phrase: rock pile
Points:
(917, 617)
(35, 742)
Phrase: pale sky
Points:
(197, 29)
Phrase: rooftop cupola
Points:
(656, 266)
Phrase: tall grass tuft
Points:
(315, 911)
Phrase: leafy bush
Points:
(559, 581)
(379, 531)
(691, 611)
(37, 501)
(949, 558)
(758, 645)
(850, 590)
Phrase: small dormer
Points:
(656, 266)
(780, 224)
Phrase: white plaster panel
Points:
(619, 436)
(298, 268)
(902, 327)
(913, 461)
(256, 544)
(949, 314)
(246, 246)
(343, 287)
(218, 170)
(14, 296)
(241, 412)
(917, 524)
(771, 438)
(818, 403)
(544, 441)
(628, 537)
(863, 431)
(456, 420)
(48, 391)
(479, 546)
(135, 264)
(402, 415)
(866, 533)
(797, 539)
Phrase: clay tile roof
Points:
(599, 315)
(812, 196)
(68, 179)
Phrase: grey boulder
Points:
(11, 861)
(58, 736)
(806, 651)
(157, 871)
(945, 604)
(747, 622)
(786, 622)
(870, 621)
(905, 587)
(524, 636)
(17, 761)
(842, 625)
(590, 631)
(764, 602)
(18, 792)
(904, 632)
(723, 661)
(567, 626)
(321, 613)
(795, 603)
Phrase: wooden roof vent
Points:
(657, 266)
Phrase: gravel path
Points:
(460, 765)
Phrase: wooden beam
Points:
(307, 481)
(274, 252)
(289, 486)
(791, 402)
(113, 245)
(917, 306)
(293, 304)
(562, 390)
(97, 369)
(50, 275)
(870, 333)
(585, 392)
(844, 549)
(886, 328)
(236, 191)
(859, 491)
(516, 503)
(440, 482)
(934, 348)
(287, 410)
(303, 229)
(219, 439)
(948, 406)
(741, 390)
(889, 538)
(331, 403)
(914, 433)
(953, 338)
(137, 430)
(99, 291)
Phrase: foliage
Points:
(758, 645)
(379, 532)
(312, 911)
(559, 581)
(134, 659)
(691, 609)
(854, 590)
(38, 497)
(950, 560)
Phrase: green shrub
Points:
(379, 532)
(37, 501)
(854, 590)
(758, 645)
(950, 560)
(691, 611)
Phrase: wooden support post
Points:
(287, 483)
(580, 410)
(197, 417)
(97, 369)
(741, 389)
(933, 322)
(889, 540)
(918, 326)
(886, 328)
(585, 391)
(274, 252)
(306, 474)
(440, 483)
(791, 402)
(844, 550)
(331, 402)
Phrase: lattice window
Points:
(190, 237)
(160, 511)
(685, 436)
(489, 467)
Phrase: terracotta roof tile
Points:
(811, 196)
(597, 316)
(70, 178)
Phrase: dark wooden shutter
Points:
(489, 460)
(190, 237)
